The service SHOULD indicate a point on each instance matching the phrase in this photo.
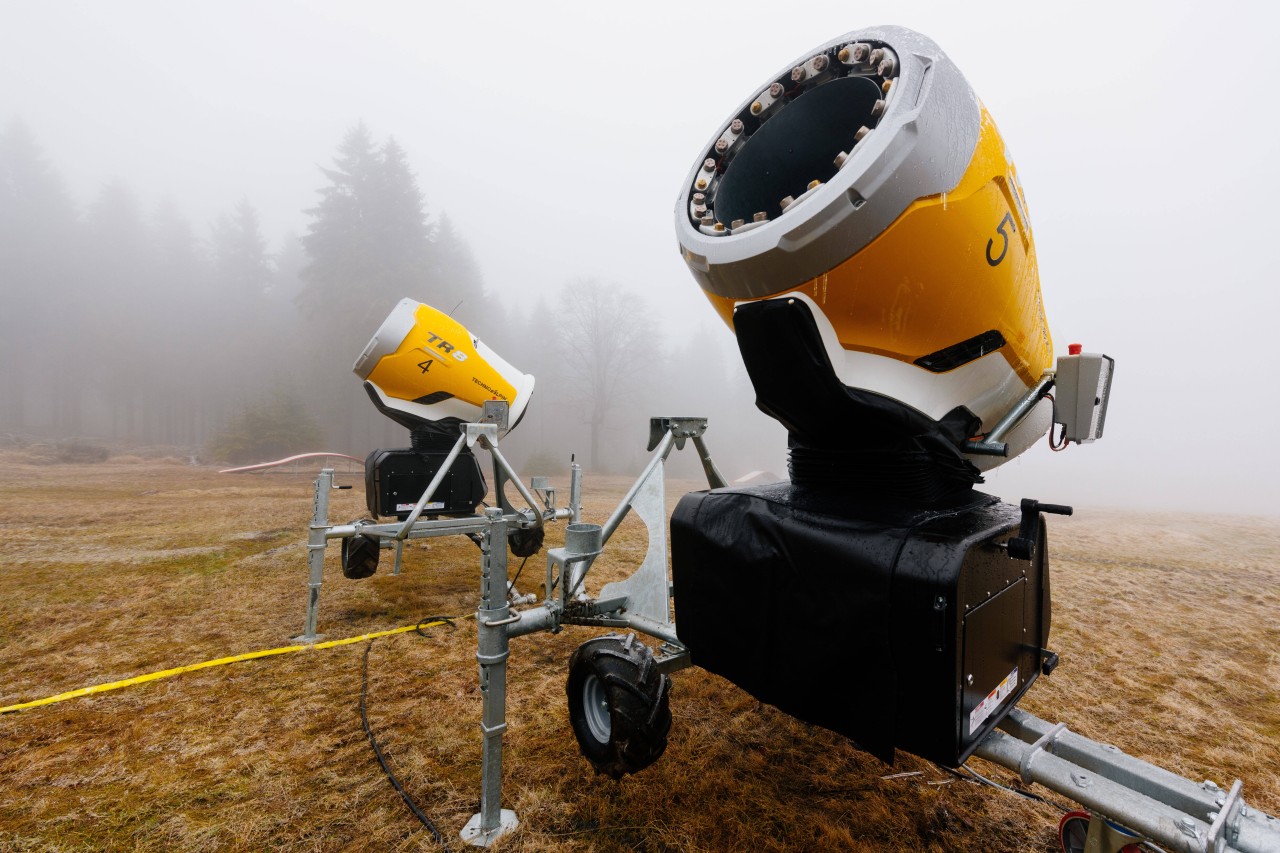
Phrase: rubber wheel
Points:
(1073, 830)
(618, 704)
(359, 556)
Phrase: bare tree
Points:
(606, 338)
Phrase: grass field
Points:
(1168, 627)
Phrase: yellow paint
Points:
(438, 355)
(925, 282)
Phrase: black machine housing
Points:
(877, 593)
(394, 480)
(899, 628)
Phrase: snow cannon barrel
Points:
(422, 368)
(866, 188)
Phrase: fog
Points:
(554, 141)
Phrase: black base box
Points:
(909, 629)
(394, 480)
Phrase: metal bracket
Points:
(992, 444)
(1044, 743)
(681, 428)
(476, 432)
(1224, 822)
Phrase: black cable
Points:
(427, 620)
(377, 751)
(512, 585)
(1026, 795)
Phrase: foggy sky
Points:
(557, 138)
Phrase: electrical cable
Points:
(431, 621)
(377, 751)
(1026, 795)
(512, 584)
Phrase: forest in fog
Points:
(127, 328)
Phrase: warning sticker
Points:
(409, 507)
(992, 701)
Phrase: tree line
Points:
(122, 323)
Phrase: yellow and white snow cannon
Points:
(866, 190)
(428, 373)
(423, 367)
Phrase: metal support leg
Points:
(575, 493)
(315, 553)
(492, 821)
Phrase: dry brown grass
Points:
(1167, 627)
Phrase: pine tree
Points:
(369, 245)
(40, 240)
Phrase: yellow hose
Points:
(178, 670)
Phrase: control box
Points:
(1082, 391)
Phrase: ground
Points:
(1166, 625)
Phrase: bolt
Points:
(737, 223)
(787, 202)
(886, 86)
(775, 89)
(877, 109)
(1081, 780)
(719, 226)
(700, 209)
(813, 184)
(843, 55)
(861, 134)
(1188, 826)
(886, 68)
(820, 62)
(736, 125)
(840, 159)
(722, 145)
(699, 198)
(760, 217)
(756, 108)
(798, 74)
(701, 184)
(860, 52)
(708, 221)
(876, 56)
(709, 165)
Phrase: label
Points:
(992, 701)
(430, 505)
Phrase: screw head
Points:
(756, 108)
(736, 125)
(775, 89)
(843, 55)
(820, 62)
(722, 145)
(798, 74)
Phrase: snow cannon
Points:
(859, 223)
(428, 373)
(424, 370)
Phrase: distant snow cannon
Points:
(429, 374)
(424, 370)
(859, 223)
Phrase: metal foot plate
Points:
(472, 833)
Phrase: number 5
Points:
(1004, 247)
